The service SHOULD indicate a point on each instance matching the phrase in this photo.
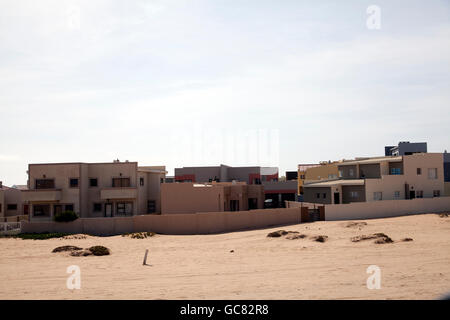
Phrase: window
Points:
(0, 207)
(351, 172)
(436, 193)
(354, 194)
(396, 171)
(377, 196)
(318, 195)
(302, 177)
(234, 205)
(324, 195)
(397, 195)
(419, 194)
(97, 207)
(151, 206)
(93, 182)
(121, 182)
(419, 171)
(11, 207)
(141, 181)
(340, 173)
(432, 173)
(45, 184)
(40, 210)
(161, 180)
(252, 203)
(73, 182)
(68, 207)
(124, 208)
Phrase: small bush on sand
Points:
(38, 236)
(66, 248)
(295, 236)
(320, 238)
(139, 235)
(99, 251)
(407, 239)
(65, 216)
(81, 253)
(277, 234)
(443, 215)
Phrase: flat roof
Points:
(330, 183)
(372, 160)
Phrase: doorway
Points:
(108, 209)
(336, 198)
(412, 194)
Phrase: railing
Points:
(9, 227)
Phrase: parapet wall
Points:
(381, 209)
(177, 224)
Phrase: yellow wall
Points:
(321, 172)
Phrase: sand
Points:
(202, 266)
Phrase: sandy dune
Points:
(202, 266)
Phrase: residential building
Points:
(420, 175)
(325, 170)
(301, 175)
(93, 189)
(277, 192)
(405, 148)
(446, 173)
(291, 175)
(10, 202)
(223, 173)
(210, 197)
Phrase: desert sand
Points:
(241, 265)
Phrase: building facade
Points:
(223, 173)
(210, 197)
(92, 189)
(11, 202)
(420, 175)
(405, 148)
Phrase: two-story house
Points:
(93, 189)
(419, 175)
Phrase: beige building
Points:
(10, 202)
(210, 197)
(418, 175)
(93, 189)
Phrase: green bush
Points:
(99, 251)
(65, 216)
(38, 236)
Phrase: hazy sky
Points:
(182, 83)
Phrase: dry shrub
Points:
(66, 248)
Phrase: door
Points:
(108, 210)
(412, 194)
(57, 209)
(336, 198)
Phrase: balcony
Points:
(41, 195)
(118, 193)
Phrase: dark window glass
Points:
(45, 184)
(68, 207)
(121, 182)
(93, 182)
(41, 210)
(73, 182)
(12, 207)
(151, 206)
(324, 195)
(141, 181)
(97, 207)
(419, 171)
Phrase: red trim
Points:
(270, 177)
(185, 177)
(253, 176)
(280, 191)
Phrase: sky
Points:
(248, 82)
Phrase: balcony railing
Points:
(41, 195)
(118, 193)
